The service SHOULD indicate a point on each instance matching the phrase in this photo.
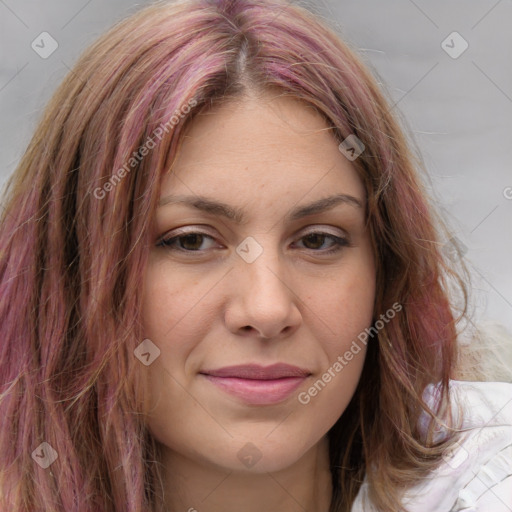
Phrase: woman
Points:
(177, 335)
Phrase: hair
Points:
(75, 237)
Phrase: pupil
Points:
(194, 237)
(316, 237)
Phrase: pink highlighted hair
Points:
(72, 257)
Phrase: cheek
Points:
(177, 316)
(347, 305)
(174, 320)
(170, 321)
(168, 301)
(349, 313)
(360, 287)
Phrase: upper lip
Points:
(257, 372)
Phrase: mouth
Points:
(258, 385)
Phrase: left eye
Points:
(192, 242)
(317, 236)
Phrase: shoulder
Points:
(475, 404)
(476, 474)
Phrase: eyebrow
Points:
(214, 207)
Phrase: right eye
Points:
(185, 242)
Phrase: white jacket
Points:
(476, 476)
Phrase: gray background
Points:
(459, 110)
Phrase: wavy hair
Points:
(75, 236)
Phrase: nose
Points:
(262, 301)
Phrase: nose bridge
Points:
(260, 261)
(261, 297)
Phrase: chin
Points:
(259, 455)
(265, 462)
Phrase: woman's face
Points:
(281, 282)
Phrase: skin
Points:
(295, 304)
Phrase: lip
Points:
(258, 385)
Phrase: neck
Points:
(194, 485)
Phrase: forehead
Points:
(261, 149)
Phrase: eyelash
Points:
(167, 243)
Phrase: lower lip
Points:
(258, 392)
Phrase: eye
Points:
(316, 239)
(186, 242)
(193, 242)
